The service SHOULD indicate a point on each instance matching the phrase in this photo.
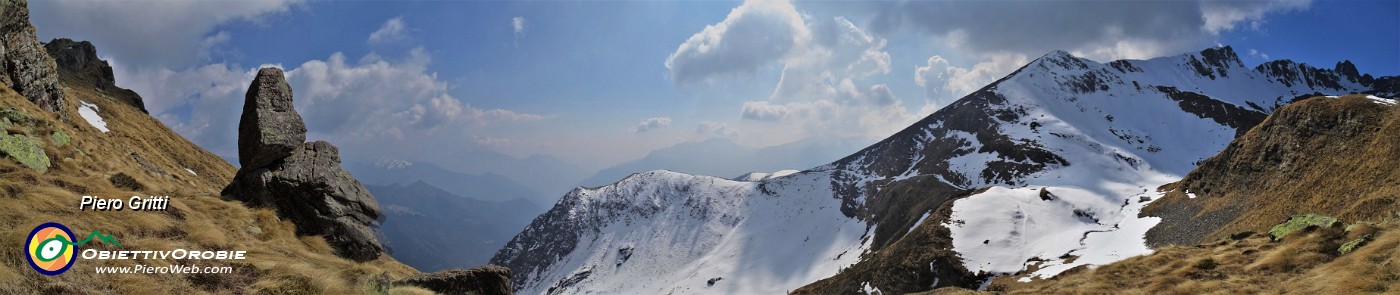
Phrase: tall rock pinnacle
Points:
(302, 181)
(270, 128)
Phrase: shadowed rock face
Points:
(270, 128)
(78, 63)
(489, 279)
(302, 181)
(26, 67)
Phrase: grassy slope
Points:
(1334, 157)
(278, 261)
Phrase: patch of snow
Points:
(89, 113)
(870, 290)
(761, 176)
(1380, 100)
(191, 171)
(916, 224)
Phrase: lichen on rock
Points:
(25, 150)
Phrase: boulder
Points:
(78, 63)
(270, 128)
(26, 67)
(488, 279)
(303, 182)
(310, 188)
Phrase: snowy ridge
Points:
(1062, 153)
(663, 232)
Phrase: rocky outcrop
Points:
(25, 67)
(489, 279)
(304, 182)
(270, 128)
(78, 63)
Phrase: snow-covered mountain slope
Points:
(663, 232)
(1046, 166)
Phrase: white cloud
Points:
(1225, 15)
(826, 65)
(1256, 53)
(944, 83)
(753, 35)
(172, 34)
(715, 129)
(1117, 29)
(391, 31)
(362, 103)
(652, 124)
(518, 24)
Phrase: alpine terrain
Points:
(1042, 171)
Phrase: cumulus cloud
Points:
(944, 83)
(375, 97)
(391, 31)
(171, 34)
(652, 124)
(827, 63)
(753, 35)
(1225, 15)
(363, 102)
(715, 129)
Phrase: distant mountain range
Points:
(432, 229)
(487, 187)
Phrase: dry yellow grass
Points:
(1306, 262)
(279, 262)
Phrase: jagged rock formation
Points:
(302, 181)
(25, 67)
(484, 280)
(78, 63)
(1330, 156)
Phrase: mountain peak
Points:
(1060, 59)
(78, 63)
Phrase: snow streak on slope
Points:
(663, 232)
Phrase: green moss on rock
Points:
(59, 138)
(1358, 242)
(26, 151)
(1298, 222)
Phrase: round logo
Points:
(50, 248)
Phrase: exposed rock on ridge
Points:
(78, 63)
(25, 67)
(302, 181)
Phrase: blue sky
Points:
(598, 83)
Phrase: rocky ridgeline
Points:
(78, 63)
(26, 67)
(303, 181)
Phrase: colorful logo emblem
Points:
(50, 248)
